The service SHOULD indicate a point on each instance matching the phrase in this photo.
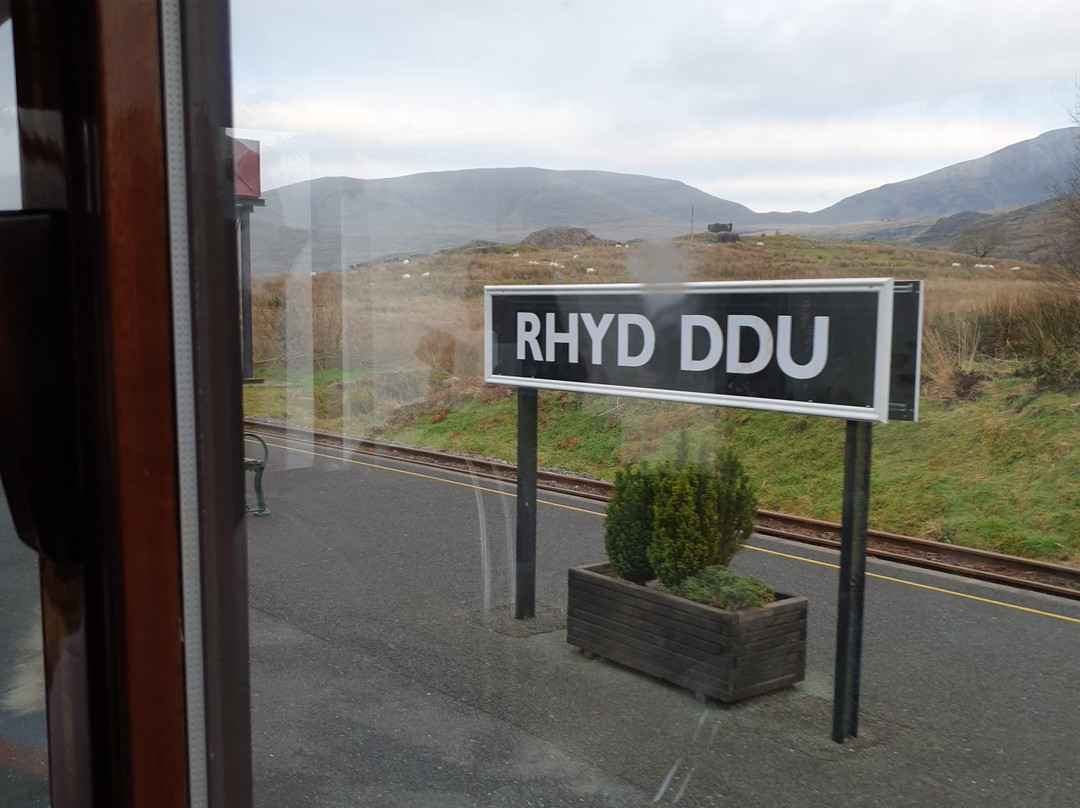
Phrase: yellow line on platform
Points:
(927, 587)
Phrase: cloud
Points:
(694, 91)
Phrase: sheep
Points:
(760, 244)
(516, 255)
(406, 276)
(555, 265)
(534, 263)
(406, 262)
(956, 265)
(982, 266)
(1014, 269)
(590, 271)
(425, 274)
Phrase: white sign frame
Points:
(878, 411)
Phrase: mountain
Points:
(1020, 174)
(340, 221)
(353, 220)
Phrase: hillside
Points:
(353, 221)
(335, 222)
(1020, 174)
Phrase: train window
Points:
(10, 192)
(395, 159)
(23, 742)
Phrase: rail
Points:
(1023, 573)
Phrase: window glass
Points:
(23, 741)
(411, 154)
(10, 192)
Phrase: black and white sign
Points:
(818, 347)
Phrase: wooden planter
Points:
(713, 653)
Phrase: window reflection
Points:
(10, 192)
(23, 742)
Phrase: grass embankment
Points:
(993, 461)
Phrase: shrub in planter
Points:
(720, 587)
(684, 522)
(736, 506)
(716, 634)
(677, 517)
(628, 524)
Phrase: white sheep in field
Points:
(534, 263)
(516, 255)
(956, 265)
(555, 265)
(760, 244)
(425, 274)
(982, 266)
(406, 262)
(406, 277)
(1015, 269)
(590, 271)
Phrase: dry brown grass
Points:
(407, 339)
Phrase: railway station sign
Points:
(818, 347)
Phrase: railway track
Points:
(1039, 576)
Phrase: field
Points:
(993, 461)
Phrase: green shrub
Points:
(736, 506)
(628, 524)
(718, 586)
(684, 536)
(670, 520)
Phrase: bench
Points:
(258, 466)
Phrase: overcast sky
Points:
(777, 104)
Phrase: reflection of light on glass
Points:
(23, 690)
(10, 190)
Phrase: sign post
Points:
(525, 546)
(849, 609)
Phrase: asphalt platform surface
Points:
(387, 670)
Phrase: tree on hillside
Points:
(1065, 253)
(978, 239)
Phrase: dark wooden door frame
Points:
(94, 154)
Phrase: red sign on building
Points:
(246, 169)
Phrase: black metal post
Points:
(247, 363)
(849, 613)
(525, 556)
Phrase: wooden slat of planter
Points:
(753, 641)
(791, 656)
(693, 679)
(699, 631)
(676, 655)
(676, 641)
(783, 616)
(692, 618)
(599, 577)
(784, 604)
(745, 654)
(658, 602)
